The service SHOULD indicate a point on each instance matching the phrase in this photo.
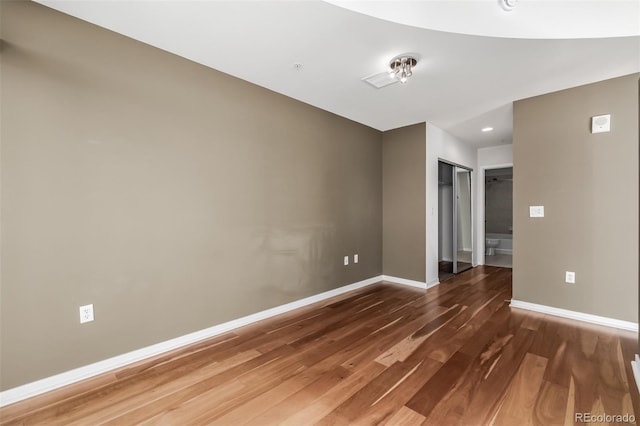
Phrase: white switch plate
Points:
(86, 313)
(570, 277)
(601, 123)
(355, 258)
(536, 211)
(346, 260)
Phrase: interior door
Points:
(463, 228)
(445, 221)
(455, 242)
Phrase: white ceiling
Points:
(547, 19)
(461, 83)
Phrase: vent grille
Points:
(380, 80)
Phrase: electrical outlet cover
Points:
(570, 277)
(86, 313)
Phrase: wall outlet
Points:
(355, 258)
(570, 277)
(86, 313)
(346, 260)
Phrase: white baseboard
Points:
(433, 283)
(635, 366)
(72, 376)
(580, 316)
(404, 281)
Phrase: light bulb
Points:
(403, 79)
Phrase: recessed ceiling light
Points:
(487, 129)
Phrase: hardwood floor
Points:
(385, 354)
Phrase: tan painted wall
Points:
(171, 196)
(404, 202)
(588, 184)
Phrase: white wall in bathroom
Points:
(493, 157)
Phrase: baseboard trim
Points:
(580, 316)
(433, 283)
(404, 281)
(47, 384)
(635, 366)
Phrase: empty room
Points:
(319, 212)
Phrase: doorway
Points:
(498, 223)
(455, 242)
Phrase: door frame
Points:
(482, 217)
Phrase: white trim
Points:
(580, 316)
(496, 166)
(635, 366)
(404, 281)
(429, 210)
(47, 384)
(433, 283)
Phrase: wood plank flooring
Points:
(385, 354)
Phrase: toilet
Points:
(490, 245)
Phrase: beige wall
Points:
(404, 202)
(171, 196)
(588, 184)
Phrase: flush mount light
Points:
(487, 129)
(400, 67)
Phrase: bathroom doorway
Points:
(455, 245)
(498, 223)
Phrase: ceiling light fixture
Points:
(400, 67)
(487, 129)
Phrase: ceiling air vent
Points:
(380, 80)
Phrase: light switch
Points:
(536, 211)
